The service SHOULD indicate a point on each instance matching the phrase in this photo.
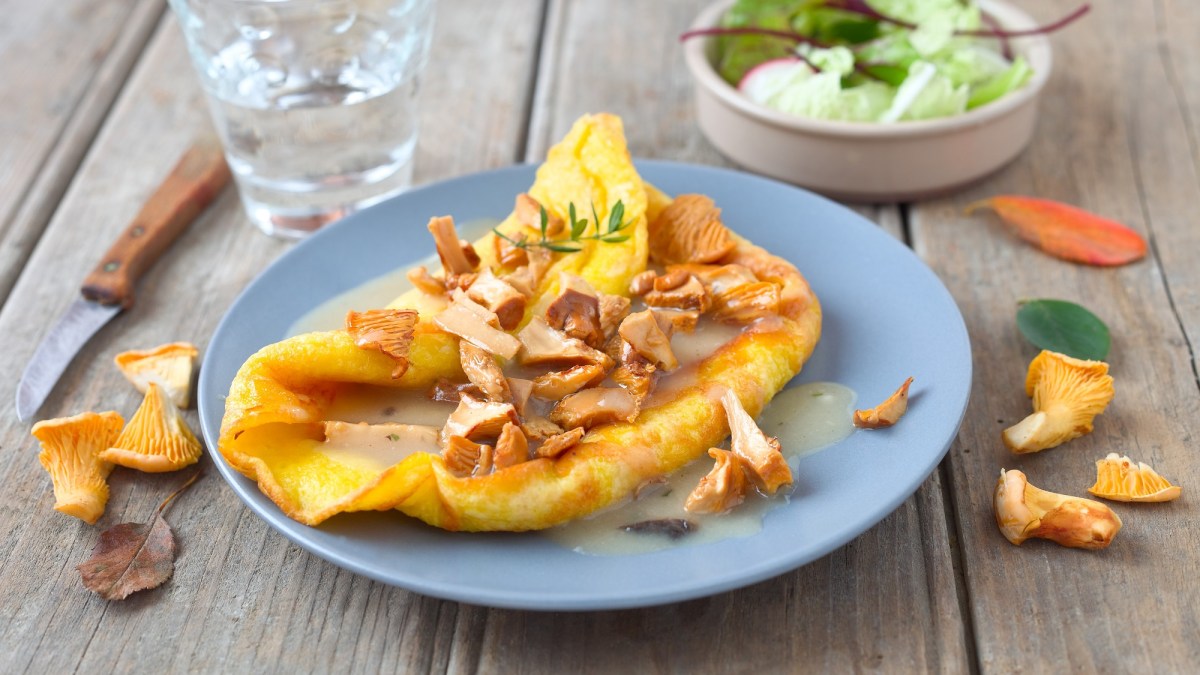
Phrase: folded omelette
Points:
(552, 339)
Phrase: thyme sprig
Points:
(610, 234)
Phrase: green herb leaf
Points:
(616, 216)
(393, 437)
(577, 226)
(545, 218)
(561, 248)
(596, 218)
(614, 239)
(1064, 327)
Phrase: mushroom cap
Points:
(723, 488)
(1120, 479)
(170, 366)
(71, 448)
(1067, 395)
(156, 439)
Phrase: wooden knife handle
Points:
(192, 185)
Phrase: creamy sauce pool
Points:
(805, 418)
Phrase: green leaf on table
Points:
(1064, 327)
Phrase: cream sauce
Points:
(804, 418)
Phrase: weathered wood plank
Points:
(886, 601)
(61, 66)
(242, 597)
(1112, 138)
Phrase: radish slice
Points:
(762, 82)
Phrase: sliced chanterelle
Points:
(474, 418)
(521, 389)
(1026, 512)
(722, 489)
(511, 447)
(499, 297)
(465, 457)
(1123, 480)
(481, 369)
(385, 330)
(718, 278)
(593, 407)
(673, 321)
(71, 448)
(690, 231)
(887, 413)
(556, 445)
(381, 439)
(528, 277)
(576, 310)
(509, 254)
(170, 366)
(446, 390)
(613, 309)
(643, 333)
(539, 428)
(690, 294)
(747, 302)
(555, 385)
(543, 344)
(457, 256)
(636, 376)
(477, 325)
(763, 459)
(1067, 395)
(422, 280)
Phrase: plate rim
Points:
(499, 597)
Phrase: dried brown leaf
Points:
(132, 557)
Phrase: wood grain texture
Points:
(61, 66)
(1116, 136)
(242, 598)
(885, 602)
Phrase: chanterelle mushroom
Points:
(71, 448)
(1025, 512)
(1067, 395)
(458, 256)
(466, 458)
(499, 297)
(478, 419)
(511, 447)
(613, 309)
(887, 413)
(722, 489)
(386, 330)
(691, 294)
(767, 467)
(690, 231)
(646, 337)
(746, 302)
(481, 369)
(156, 439)
(543, 344)
(576, 310)
(593, 407)
(477, 325)
(556, 445)
(555, 385)
(1122, 480)
(170, 366)
(529, 214)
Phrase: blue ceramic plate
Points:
(887, 316)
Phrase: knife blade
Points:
(195, 181)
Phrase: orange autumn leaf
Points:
(1065, 231)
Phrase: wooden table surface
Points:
(98, 99)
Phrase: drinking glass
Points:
(315, 100)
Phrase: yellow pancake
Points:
(272, 428)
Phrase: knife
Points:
(193, 184)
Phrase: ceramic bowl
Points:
(863, 161)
